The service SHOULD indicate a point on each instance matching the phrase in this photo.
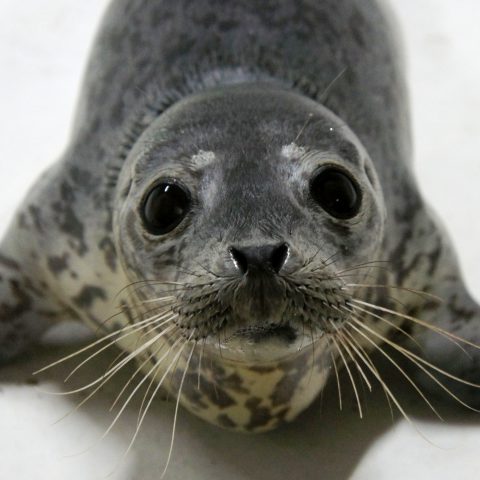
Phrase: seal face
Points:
(239, 183)
(253, 242)
(253, 221)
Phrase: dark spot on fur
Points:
(66, 192)
(127, 312)
(36, 216)
(216, 395)
(9, 263)
(88, 295)
(109, 253)
(234, 382)
(23, 303)
(460, 314)
(260, 416)
(67, 220)
(58, 264)
(225, 421)
(190, 390)
(284, 390)
(82, 178)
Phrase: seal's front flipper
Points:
(458, 351)
(27, 308)
(457, 354)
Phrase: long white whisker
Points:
(137, 371)
(431, 327)
(157, 388)
(420, 359)
(360, 370)
(439, 330)
(377, 375)
(337, 377)
(420, 293)
(402, 371)
(132, 394)
(80, 365)
(177, 405)
(415, 359)
(108, 374)
(388, 322)
(350, 375)
(93, 344)
(372, 366)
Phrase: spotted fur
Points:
(241, 101)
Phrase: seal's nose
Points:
(269, 258)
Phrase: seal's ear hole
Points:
(336, 192)
(165, 206)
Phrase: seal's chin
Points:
(255, 344)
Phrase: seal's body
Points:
(238, 182)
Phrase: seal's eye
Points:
(336, 193)
(165, 207)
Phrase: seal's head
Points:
(240, 214)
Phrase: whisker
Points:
(388, 392)
(336, 375)
(137, 371)
(146, 394)
(200, 363)
(388, 322)
(439, 330)
(420, 293)
(372, 264)
(360, 370)
(345, 363)
(157, 388)
(106, 378)
(367, 357)
(313, 355)
(132, 394)
(81, 364)
(418, 361)
(109, 374)
(159, 299)
(177, 405)
(400, 369)
(93, 344)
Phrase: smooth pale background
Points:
(43, 46)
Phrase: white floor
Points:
(43, 44)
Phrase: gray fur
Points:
(211, 93)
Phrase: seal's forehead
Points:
(251, 106)
(251, 121)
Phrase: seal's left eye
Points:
(336, 192)
(165, 207)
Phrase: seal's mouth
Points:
(284, 333)
(260, 343)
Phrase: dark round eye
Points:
(336, 193)
(165, 207)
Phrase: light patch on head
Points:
(292, 151)
(203, 158)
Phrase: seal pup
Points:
(247, 194)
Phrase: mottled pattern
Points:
(242, 102)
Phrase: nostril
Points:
(239, 259)
(279, 257)
(265, 257)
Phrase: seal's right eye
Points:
(336, 192)
(165, 207)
